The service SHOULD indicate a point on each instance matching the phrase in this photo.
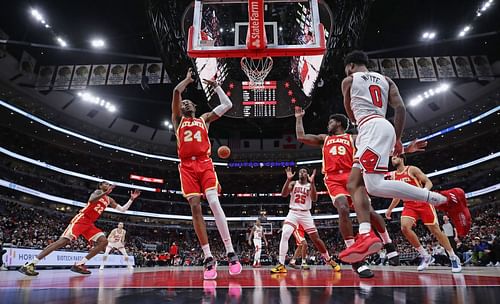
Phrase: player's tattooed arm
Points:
(421, 177)
(98, 194)
(308, 139)
(346, 92)
(288, 186)
(177, 97)
(396, 102)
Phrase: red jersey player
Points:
(338, 151)
(412, 211)
(366, 98)
(83, 224)
(197, 171)
(301, 243)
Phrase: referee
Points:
(450, 232)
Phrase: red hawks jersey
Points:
(192, 138)
(338, 153)
(405, 177)
(300, 197)
(93, 210)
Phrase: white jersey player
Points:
(302, 194)
(366, 98)
(116, 240)
(258, 234)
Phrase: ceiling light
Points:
(98, 43)
(467, 28)
(425, 35)
(429, 93)
(461, 34)
(61, 42)
(432, 35)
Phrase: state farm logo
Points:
(256, 43)
(255, 23)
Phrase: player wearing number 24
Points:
(196, 169)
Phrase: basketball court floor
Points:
(318, 285)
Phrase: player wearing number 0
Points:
(302, 194)
(83, 224)
(116, 240)
(338, 151)
(412, 211)
(366, 98)
(257, 233)
(197, 171)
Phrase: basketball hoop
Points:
(256, 69)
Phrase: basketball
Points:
(224, 152)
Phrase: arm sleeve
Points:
(225, 102)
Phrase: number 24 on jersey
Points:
(188, 136)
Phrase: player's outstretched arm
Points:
(396, 102)
(177, 97)
(308, 139)
(314, 193)
(421, 177)
(287, 187)
(98, 194)
(220, 110)
(124, 208)
(346, 92)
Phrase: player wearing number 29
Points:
(302, 194)
(366, 98)
(197, 171)
(83, 224)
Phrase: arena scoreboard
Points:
(272, 99)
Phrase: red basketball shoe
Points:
(456, 208)
(364, 245)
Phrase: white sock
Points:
(286, 233)
(451, 254)
(34, 261)
(304, 261)
(349, 242)
(292, 261)
(386, 239)
(364, 228)
(206, 251)
(82, 262)
(422, 251)
(220, 219)
(376, 185)
(326, 256)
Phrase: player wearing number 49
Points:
(83, 224)
(197, 171)
(302, 194)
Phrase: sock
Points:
(364, 228)
(386, 239)
(349, 242)
(286, 233)
(220, 219)
(451, 254)
(292, 261)
(82, 262)
(34, 261)
(376, 185)
(422, 251)
(206, 251)
(304, 261)
(326, 256)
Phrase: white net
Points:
(256, 69)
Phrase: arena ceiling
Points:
(392, 29)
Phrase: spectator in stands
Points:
(439, 254)
(174, 250)
(480, 253)
(450, 232)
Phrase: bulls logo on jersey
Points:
(301, 196)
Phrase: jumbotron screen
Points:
(271, 99)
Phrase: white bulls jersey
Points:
(369, 95)
(257, 233)
(116, 235)
(300, 197)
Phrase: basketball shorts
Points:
(81, 225)
(197, 176)
(258, 244)
(299, 235)
(117, 245)
(336, 184)
(375, 142)
(423, 211)
(303, 218)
